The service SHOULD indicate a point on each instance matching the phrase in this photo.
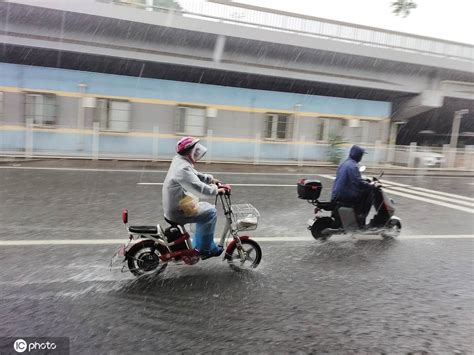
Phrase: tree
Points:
(403, 7)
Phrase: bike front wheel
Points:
(248, 257)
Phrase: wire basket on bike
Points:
(245, 216)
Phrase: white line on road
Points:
(414, 197)
(149, 171)
(248, 185)
(429, 200)
(441, 198)
(261, 239)
(444, 194)
(392, 183)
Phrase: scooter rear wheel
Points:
(251, 258)
(319, 225)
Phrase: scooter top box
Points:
(309, 189)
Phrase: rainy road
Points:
(408, 295)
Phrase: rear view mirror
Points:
(125, 216)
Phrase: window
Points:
(332, 127)
(191, 120)
(113, 115)
(277, 126)
(41, 108)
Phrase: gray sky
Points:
(452, 20)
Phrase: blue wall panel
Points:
(41, 78)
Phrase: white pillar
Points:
(447, 154)
(149, 5)
(301, 151)
(81, 115)
(29, 138)
(456, 124)
(95, 141)
(411, 155)
(209, 146)
(377, 152)
(326, 129)
(469, 157)
(365, 132)
(218, 49)
(156, 132)
(256, 152)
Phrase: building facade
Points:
(141, 117)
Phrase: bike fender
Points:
(134, 243)
(232, 244)
(139, 243)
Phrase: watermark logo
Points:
(20, 345)
(34, 345)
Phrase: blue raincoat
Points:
(349, 184)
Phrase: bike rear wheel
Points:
(247, 258)
(144, 259)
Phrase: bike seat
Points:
(171, 223)
(143, 229)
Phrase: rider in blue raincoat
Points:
(182, 188)
(349, 186)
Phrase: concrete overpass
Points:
(415, 72)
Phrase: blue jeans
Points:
(205, 227)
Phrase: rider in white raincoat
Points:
(182, 188)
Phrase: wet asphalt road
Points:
(343, 296)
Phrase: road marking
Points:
(261, 239)
(414, 197)
(148, 171)
(428, 200)
(444, 193)
(248, 185)
(392, 183)
(441, 198)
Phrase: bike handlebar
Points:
(227, 188)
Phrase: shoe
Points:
(216, 252)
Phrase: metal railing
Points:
(33, 141)
(254, 16)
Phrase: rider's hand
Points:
(221, 191)
(215, 181)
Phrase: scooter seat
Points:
(326, 205)
(143, 229)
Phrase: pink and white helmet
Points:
(185, 144)
(191, 148)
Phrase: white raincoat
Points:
(183, 183)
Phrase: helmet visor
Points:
(198, 152)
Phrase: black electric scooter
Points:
(343, 219)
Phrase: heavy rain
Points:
(218, 176)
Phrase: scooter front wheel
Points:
(247, 258)
(393, 229)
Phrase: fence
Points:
(32, 141)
